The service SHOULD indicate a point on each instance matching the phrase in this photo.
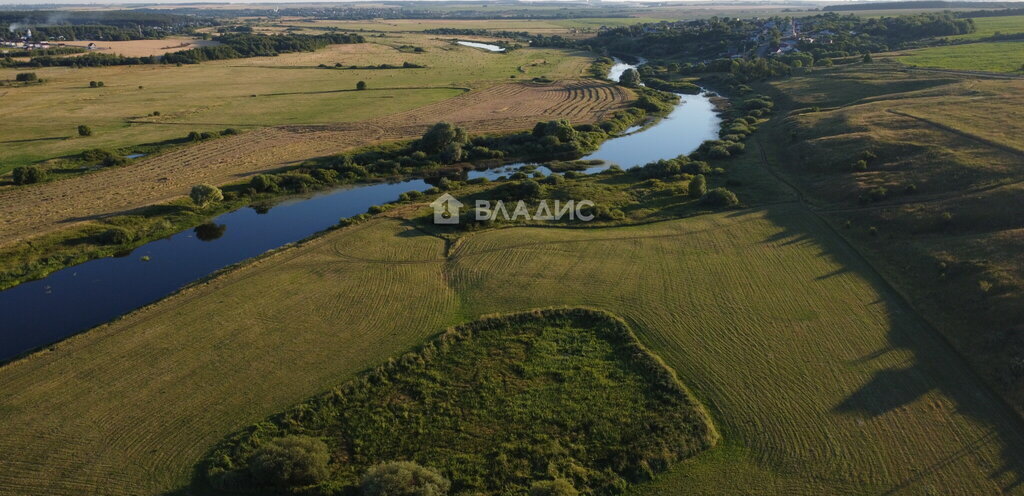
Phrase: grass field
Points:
(46, 207)
(988, 26)
(1000, 56)
(942, 189)
(820, 380)
(262, 92)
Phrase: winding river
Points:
(74, 299)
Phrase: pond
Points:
(74, 299)
(485, 46)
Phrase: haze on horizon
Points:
(135, 3)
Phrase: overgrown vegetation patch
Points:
(503, 405)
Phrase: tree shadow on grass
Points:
(935, 365)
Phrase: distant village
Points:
(26, 42)
(772, 36)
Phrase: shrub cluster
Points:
(590, 445)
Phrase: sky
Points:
(245, 2)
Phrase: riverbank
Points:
(101, 289)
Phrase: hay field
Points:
(264, 91)
(145, 48)
(820, 379)
(502, 107)
(946, 154)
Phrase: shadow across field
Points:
(934, 366)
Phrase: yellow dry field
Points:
(506, 107)
(821, 381)
(144, 48)
(294, 111)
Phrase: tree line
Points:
(233, 46)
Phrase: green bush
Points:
(403, 479)
(264, 183)
(84, 130)
(28, 175)
(698, 186)
(720, 197)
(878, 194)
(290, 461)
(116, 236)
(205, 194)
(26, 77)
(557, 487)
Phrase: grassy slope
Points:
(953, 245)
(999, 56)
(194, 97)
(819, 379)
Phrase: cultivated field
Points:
(502, 107)
(145, 48)
(819, 378)
(245, 93)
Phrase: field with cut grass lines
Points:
(245, 93)
(819, 378)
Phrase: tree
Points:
(93, 84)
(440, 136)
(290, 461)
(26, 77)
(867, 58)
(452, 153)
(698, 186)
(28, 175)
(561, 129)
(403, 479)
(205, 194)
(630, 78)
(361, 85)
(557, 487)
(84, 130)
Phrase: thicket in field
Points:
(497, 406)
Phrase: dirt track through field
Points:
(43, 208)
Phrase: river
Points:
(71, 300)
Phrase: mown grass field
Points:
(819, 379)
(942, 190)
(998, 56)
(245, 93)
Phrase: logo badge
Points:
(446, 209)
